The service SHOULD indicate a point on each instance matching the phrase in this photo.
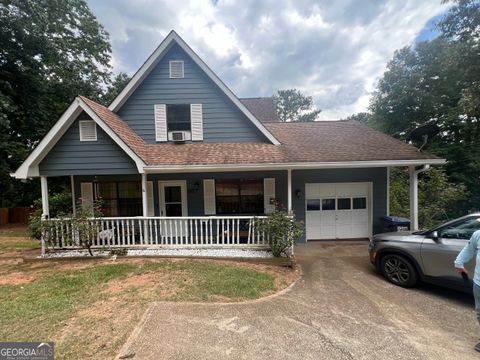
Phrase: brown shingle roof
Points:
(263, 108)
(320, 141)
(341, 140)
(120, 127)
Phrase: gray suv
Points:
(405, 258)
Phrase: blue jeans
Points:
(476, 295)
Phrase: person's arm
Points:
(467, 253)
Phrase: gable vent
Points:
(176, 69)
(88, 130)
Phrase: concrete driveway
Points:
(339, 309)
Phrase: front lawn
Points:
(13, 239)
(89, 307)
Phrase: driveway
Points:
(339, 309)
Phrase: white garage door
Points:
(337, 210)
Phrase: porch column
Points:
(413, 198)
(74, 205)
(144, 195)
(414, 194)
(388, 190)
(289, 190)
(45, 207)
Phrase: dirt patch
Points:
(103, 318)
(136, 281)
(16, 278)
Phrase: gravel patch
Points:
(74, 253)
(232, 253)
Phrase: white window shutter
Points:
(196, 118)
(269, 195)
(209, 197)
(86, 193)
(150, 207)
(160, 122)
(88, 130)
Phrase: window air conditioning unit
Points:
(179, 136)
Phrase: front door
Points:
(173, 198)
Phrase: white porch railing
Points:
(175, 232)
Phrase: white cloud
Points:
(334, 51)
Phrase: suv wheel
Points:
(398, 270)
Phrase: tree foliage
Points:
(50, 51)
(362, 117)
(439, 81)
(118, 83)
(438, 199)
(293, 105)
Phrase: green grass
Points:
(34, 310)
(41, 309)
(13, 231)
(14, 238)
(16, 244)
(211, 281)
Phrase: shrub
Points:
(282, 231)
(83, 230)
(60, 205)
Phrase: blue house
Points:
(179, 160)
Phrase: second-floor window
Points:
(178, 117)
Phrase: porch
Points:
(218, 209)
(165, 232)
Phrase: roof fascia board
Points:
(291, 166)
(156, 56)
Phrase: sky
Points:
(334, 51)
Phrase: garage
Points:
(338, 210)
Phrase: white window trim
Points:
(82, 136)
(170, 69)
(161, 195)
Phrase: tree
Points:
(117, 85)
(50, 51)
(362, 117)
(438, 199)
(293, 105)
(439, 81)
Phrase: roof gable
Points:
(118, 131)
(154, 59)
(222, 120)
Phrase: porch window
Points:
(178, 117)
(120, 198)
(239, 196)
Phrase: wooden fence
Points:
(17, 215)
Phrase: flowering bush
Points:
(82, 227)
(282, 231)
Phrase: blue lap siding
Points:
(378, 176)
(70, 156)
(222, 120)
